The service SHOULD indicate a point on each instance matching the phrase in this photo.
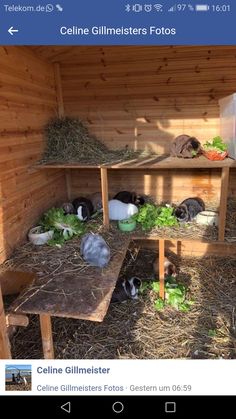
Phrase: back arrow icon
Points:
(66, 407)
(11, 30)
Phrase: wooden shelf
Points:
(154, 162)
(57, 165)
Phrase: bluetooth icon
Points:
(127, 7)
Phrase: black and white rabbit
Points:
(127, 289)
(83, 208)
(94, 250)
(130, 198)
(189, 208)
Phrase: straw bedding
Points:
(133, 329)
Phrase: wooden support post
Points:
(104, 186)
(5, 347)
(68, 183)
(223, 202)
(46, 333)
(161, 268)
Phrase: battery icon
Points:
(202, 7)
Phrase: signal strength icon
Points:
(172, 9)
(158, 7)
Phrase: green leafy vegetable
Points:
(175, 296)
(144, 287)
(216, 144)
(166, 218)
(150, 216)
(156, 286)
(64, 226)
(159, 304)
(212, 333)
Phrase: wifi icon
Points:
(158, 7)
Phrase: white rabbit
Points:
(120, 211)
(94, 250)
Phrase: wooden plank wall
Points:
(164, 185)
(27, 101)
(145, 96)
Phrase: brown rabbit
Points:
(185, 146)
(169, 268)
(96, 199)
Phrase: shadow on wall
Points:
(152, 136)
(158, 145)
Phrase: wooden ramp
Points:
(84, 296)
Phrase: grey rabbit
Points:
(185, 146)
(127, 289)
(68, 208)
(189, 208)
(94, 250)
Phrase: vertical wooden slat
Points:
(104, 187)
(68, 183)
(223, 202)
(58, 85)
(61, 114)
(46, 333)
(161, 267)
(5, 347)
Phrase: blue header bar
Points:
(117, 22)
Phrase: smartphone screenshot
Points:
(118, 208)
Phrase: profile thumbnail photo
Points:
(18, 377)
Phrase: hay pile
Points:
(135, 330)
(68, 140)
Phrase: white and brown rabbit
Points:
(169, 268)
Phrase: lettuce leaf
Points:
(64, 226)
